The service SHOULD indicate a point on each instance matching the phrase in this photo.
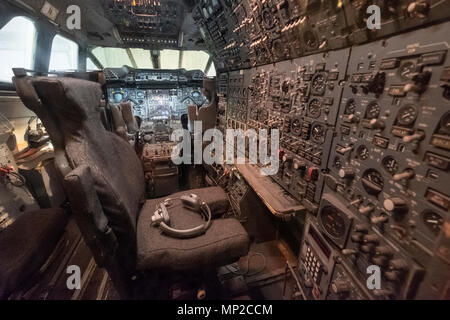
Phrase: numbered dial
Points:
(372, 181)
(314, 108)
(390, 165)
(318, 132)
(407, 115)
(363, 152)
(407, 70)
(373, 111)
(296, 126)
(319, 84)
(333, 222)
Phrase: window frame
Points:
(77, 68)
(8, 85)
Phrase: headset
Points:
(161, 217)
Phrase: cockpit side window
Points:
(64, 55)
(17, 46)
(90, 65)
(194, 60)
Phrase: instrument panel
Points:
(365, 148)
(158, 104)
(156, 94)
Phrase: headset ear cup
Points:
(165, 213)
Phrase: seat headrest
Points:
(72, 99)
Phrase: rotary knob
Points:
(346, 173)
(395, 205)
(418, 9)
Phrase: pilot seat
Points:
(104, 181)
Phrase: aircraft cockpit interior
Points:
(224, 150)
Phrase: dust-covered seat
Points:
(105, 184)
(224, 242)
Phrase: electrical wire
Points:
(247, 272)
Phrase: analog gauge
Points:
(407, 115)
(363, 152)
(333, 222)
(118, 97)
(296, 126)
(373, 111)
(390, 165)
(140, 94)
(433, 221)
(319, 84)
(195, 94)
(445, 124)
(337, 163)
(314, 108)
(372, 181)
(407, 71)
(318, 133)
(350, 108)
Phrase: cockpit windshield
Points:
(138, 58)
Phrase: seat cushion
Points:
(224, 242)
(26, 245)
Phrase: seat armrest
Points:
(89, 214)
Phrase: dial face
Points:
(296, 126)
(373, 111)
(406, 115)
(350, 108)
(140, 94)
(390, 165)
(314, 108)
(319, 83)
(407, 70)
(433, 221)
(372, 181)
(363, 152)
(118, 97)
(445, 123)
(333, 222)
(318, 133)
